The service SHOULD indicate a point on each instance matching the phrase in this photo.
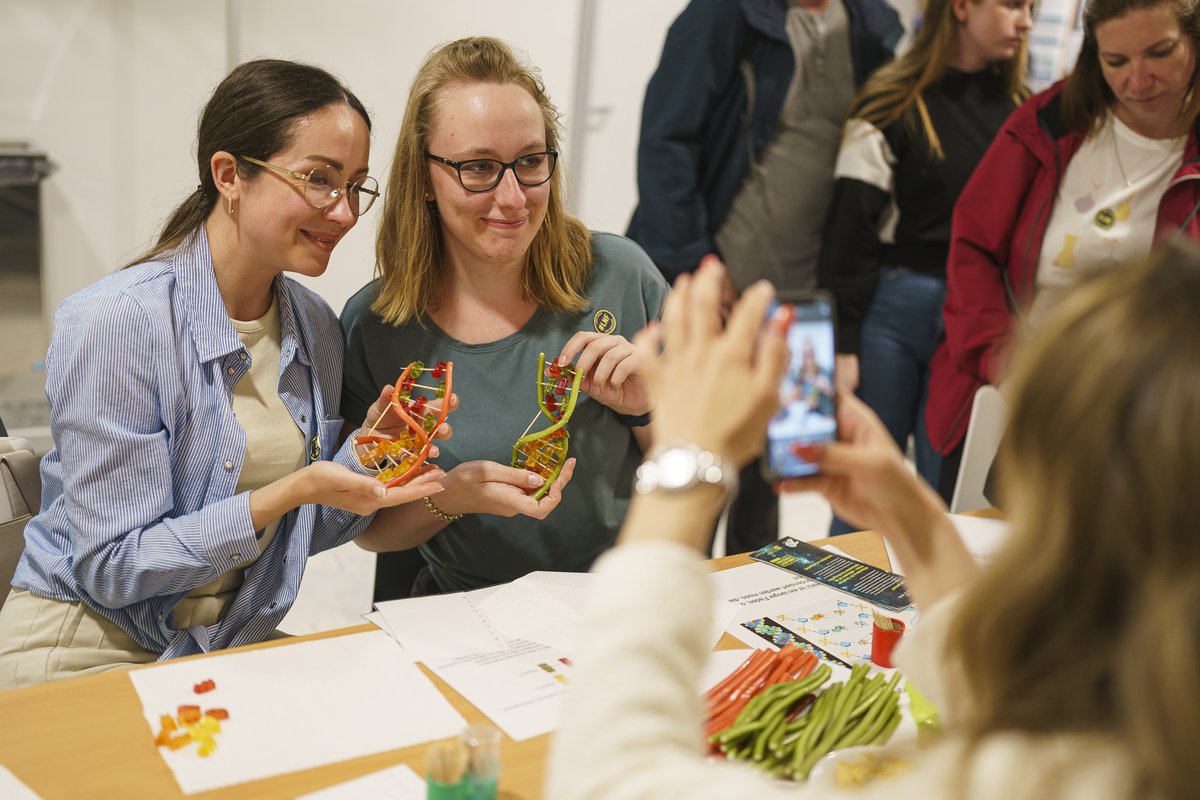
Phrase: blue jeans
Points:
(900, 333)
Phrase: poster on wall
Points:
(1054, 41)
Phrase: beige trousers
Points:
(43, 640)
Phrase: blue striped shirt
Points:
(138, 503)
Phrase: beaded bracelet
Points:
(437, 512)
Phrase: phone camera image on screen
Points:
(807, 411)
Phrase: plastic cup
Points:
(482, 742)
(445, 776)
(883, 642)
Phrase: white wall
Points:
(111, 90)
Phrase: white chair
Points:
(20, 497)
(989, 416)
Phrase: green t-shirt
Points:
(496, 385)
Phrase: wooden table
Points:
(86, 737)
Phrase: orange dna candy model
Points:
(398, 460)
(544, 452)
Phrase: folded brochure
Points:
(876, 586)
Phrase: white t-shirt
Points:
(1106, 207)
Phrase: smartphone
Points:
(807, 399)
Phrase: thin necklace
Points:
(1106, 217)
(1121, 166)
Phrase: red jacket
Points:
(995, 242)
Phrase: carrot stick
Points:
(806, 665)
(736, 675)
(752, 677)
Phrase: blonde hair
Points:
(1089, 621)
(894, 90)
(408, 248)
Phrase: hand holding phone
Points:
(808, 390)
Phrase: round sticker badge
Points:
(604, 321)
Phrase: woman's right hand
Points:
(846, 372)
(487, 487)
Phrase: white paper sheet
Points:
(519, 686)
(756, 588)
(528, 609)
(394, 783)
(12, 788)
(833, 621)
(442, 626)
(982, 536)
(570, 588)
(376, 619)
(550, 607)
(297, 707)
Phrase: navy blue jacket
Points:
(712, 105)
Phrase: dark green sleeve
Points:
(359, 388)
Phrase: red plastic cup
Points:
(883, 641)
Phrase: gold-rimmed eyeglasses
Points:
(485, 174)
(323, 186)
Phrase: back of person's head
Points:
(252, 112)
(1087, 97)
(1090, 620)
(894, 90)
(409, 246)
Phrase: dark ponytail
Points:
(251, 113)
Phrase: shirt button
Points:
(272, 606)
(304, 418)
(228, 466)
(229, 370)
(236, 557)
(242, 356)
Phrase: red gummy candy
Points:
(217, 713)
(204, 686)
(189, 714)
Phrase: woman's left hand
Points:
(614, 371)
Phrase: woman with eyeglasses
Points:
(479, 264)
(194, 403)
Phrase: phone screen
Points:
(808, 410)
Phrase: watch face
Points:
(676, 468)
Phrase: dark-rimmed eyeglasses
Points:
(485, 174)
(323, 186)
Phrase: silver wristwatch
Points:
(679, 467)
